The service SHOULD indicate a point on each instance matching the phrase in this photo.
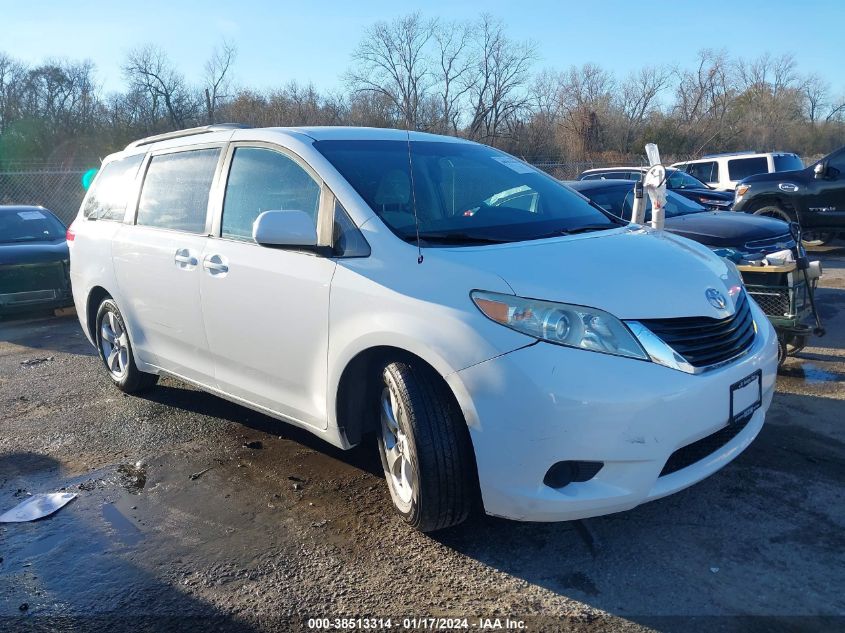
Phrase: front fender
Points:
(444, 329)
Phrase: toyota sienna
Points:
(505, 339)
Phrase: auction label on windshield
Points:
(31, 215)
(515, 165)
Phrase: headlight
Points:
(561, 323)
(740, 191)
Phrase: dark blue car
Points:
(34, 261)
(676, 180)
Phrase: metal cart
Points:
(786, 294)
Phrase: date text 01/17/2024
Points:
(416, 623)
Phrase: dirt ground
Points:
(179, 525)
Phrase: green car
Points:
(34, 262)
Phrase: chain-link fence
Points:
(58, 189)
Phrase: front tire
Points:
(774, 211)
(116, 350)
(425, 448)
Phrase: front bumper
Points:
(544, 403)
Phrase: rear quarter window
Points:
(739, 168)
(176, 189)
(787, 162)
(705, 172)
(108, 195)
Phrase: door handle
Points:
(215, 264)
(183, 256)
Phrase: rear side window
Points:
(176, 188)
(787, 162)
(739, 168)
(265, 180)
(107, 198)
(705, 172)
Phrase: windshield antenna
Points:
(414, 197)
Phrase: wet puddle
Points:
(125, 531)
(812, 374)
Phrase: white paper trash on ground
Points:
(37, 507)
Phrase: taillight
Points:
(70, 234)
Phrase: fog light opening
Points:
(564, 473)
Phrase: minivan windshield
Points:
(462, 193)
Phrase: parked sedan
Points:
(676, 180)
(747, 234)
(34, 261)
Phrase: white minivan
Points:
(504, 339)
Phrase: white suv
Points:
(495, 331)
(724, 171)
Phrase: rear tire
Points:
(116, 350)
(818, 238)
(425, 448)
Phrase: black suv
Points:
(814, 196)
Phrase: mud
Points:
(277, 527)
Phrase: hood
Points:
(33, 252)
(710, 194)
(800, 175)
(633, 273)
(727, 228)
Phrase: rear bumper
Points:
(17, 302)
(543, 404)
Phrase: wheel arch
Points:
(95, 297)
(770, 199)
(355, 406)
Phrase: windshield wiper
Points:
(456, 238)
(578, 229)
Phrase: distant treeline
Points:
(462, 78)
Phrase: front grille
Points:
(704, 341)
(695, 452)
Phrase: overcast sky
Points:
(311, 41)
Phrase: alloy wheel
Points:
(114, 344)
(397, 450)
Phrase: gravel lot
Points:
(268, 537)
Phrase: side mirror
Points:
(820, 170)
(285, 229)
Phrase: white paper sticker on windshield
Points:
(516, 165)
(31, 215)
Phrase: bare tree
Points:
(217, 79)
(451, 69)
(637, 98)
(12, 78)
(703, 100)
(585, 98)
(391, 61)
(148, 70)
(498, 85)
(816, 92)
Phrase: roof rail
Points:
(743, 153)
(204, 129)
